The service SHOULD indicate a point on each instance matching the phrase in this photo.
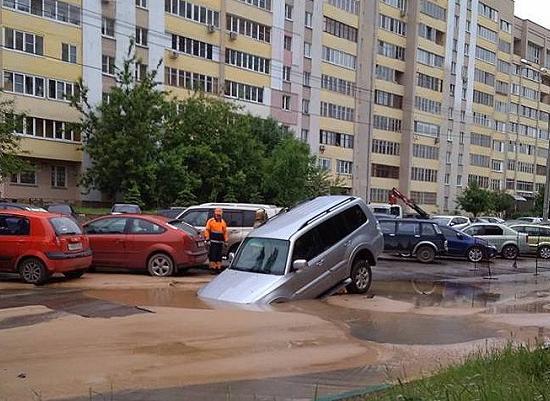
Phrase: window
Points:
(194, 47)
(503, 66)
(141, 36)
(264, 4)
(350, 6)
(324, 164)
(304, 135)
(140, 226)
(388, 99)
(400, 4)
(387, 123)
(68, 53)
(433, 10)
(110, 225)
(390, 24)
(391, 50)
(24, 84)
(344, 167)
(428, 58)
(308, 20)
(384, 171)
(59, 177)
(482, 181)
(424, 128)
(108, 65)
(430, 33)
(23, 41)
(307, 49)
(140, 71)
(386, 73)
(248, 28)
(483, 98)
(488, 12)
(141, 3)
(24, 178)
(425, 151)
(305, 106)
(338, 57)
(424, 198)
(504, 46)
(385, 147)
(288, 12)
(485, 55)
(194, 12)
(242, 91)
(429, 82)
(247, 61)
(487, 33)
(60, 90)
(484, 77)
(285, 102)
(336, 111)
(307, 78)
(50, 129)
(336, 139)
(337, 85)
(534, 53)
(339, 29)
(427, 105)
(57, 10)
(108, 27)
(286, 73)
(423, 174)
(505, 26)
(480, 160)
(287, 44)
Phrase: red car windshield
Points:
(65, 226)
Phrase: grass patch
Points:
(514, 373)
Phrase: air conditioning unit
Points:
(174, 54)
(211, 28)
(233, 35)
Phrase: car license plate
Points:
(75, 247)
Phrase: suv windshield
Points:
(262, 255)
(65, 226)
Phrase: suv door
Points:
(388, 229)
(14, 237)
(431, 233)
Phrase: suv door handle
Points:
(347, 243)
(320, 263)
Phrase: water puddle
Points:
(167, 297)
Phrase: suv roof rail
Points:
(327, 211)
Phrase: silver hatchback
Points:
(311, 249)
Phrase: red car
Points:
(137, 241)
(38, 244)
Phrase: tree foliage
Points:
(500, 202)
(10, 146)
(144, 143)
(474, 200)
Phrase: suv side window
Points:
(387, 227)
(351, 219)
(493, 230)
(520, 229)
(534, 231)
(197, 217)
(408, 228)
(428, 229)
(545, 232)
(308, 246)
(14, 225)
(233, 218)
(249, 218)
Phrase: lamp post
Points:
(546, 202)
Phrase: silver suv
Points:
(311, 249)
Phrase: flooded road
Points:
(131, 337)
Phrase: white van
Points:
(387, 209)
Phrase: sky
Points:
(535, 10)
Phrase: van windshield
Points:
(262, 255)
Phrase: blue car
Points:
(462, 245)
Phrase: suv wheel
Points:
(510, 252)
(33, 271)
(160, 265)
(474, 254)
(425, 254)
(544, 252)
(361, 277)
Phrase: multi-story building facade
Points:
(426, 96)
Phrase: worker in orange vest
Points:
(216, 234)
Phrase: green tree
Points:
(538, 205)
(474, 200)
(10, 146)
(500, 202)
(124, 135)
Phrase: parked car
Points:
(173, 213)
(489, 219)
(64, 209)
(462, 245)
(458, 222)
(422, 239)
(20, 206)
(125, 208)
(530, 220)
(240, 219)
(270, 210)
(508, 242)
(39, 244)
(305, 252)
(136, 241)
(538, 238)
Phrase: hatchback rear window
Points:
(65, 226)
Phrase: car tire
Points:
(74, 274)
(33, 271)
(425, 254)
(361, 277)
(160, 265)
(544, 252)
(510, 252)
(474, 254)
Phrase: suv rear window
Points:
(428, 229)
(14, 225)
(65, 226)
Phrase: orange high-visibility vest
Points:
(216, 230)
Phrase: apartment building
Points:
(426, 96)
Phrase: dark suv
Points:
(412, 237)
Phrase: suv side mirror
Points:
(299, 264)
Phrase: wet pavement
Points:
(130, 337)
